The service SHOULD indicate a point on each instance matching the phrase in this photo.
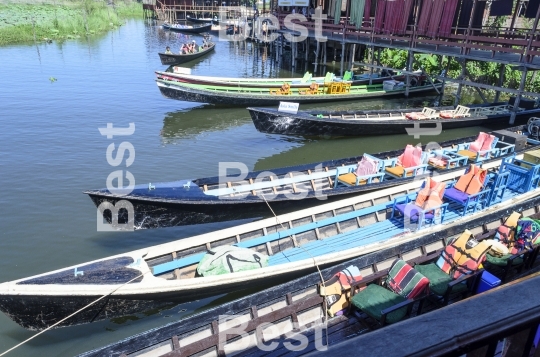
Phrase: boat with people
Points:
(318, 305)
(304, 82)
(186, 56)
(187, 28)
(386, 121)
(268, 251)
(313, 93)
(214, 199)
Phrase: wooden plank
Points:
(253, 192)
(329, 178)
(273, 187)
(312, 182)
(176, 271)
(292, 183)
(252, 325)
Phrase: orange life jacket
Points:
(472, 181)
(505, 233)
(463, 256)
(431, 194)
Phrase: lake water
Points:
(53, 99)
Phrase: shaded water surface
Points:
(53, 99)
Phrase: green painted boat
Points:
(251, 96)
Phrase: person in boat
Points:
(168, 51)
(265, 29)
(184, 50)
(194, 46)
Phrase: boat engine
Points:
(533, 127)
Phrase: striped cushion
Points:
(405, 281)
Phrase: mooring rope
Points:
(316, 265)
(73, 314)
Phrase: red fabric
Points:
(425, 13)
(367, 12)
(387, 23)
(449, 12)
(379, 15)
(435, 18)
(407, 6)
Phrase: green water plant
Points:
(62, 19)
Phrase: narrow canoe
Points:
(205, 20)
(274, 82)
(251, 96)
(379, 122)
(214, 199)
(171, 59)
(297, 301)
(306, 239)
(188, 29)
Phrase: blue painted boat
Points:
(300, 301)
(214, 199)
(295, 243)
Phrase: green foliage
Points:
(18, 22)
(480, 72)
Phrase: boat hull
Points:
(38, 312)
(237, 98)
(262, 82)
(194, 29)
(173, 208)
(273, 122)
(171, 59)
(182, 327)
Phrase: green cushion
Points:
(373, 299)
(502, 261)
(438, 280)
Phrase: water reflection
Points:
(189, 123)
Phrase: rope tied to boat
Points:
(325, 307)
(73, 314)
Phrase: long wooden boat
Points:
(297, 308)
(275, 82)
(248, 96)
(381, 122)
(201, 20)
(296, 244)
(214, 199)
(170, 59)
(188, 29)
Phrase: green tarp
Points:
(230, 259)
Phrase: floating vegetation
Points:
(59, 20)
(52, 79)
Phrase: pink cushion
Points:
(366, 166)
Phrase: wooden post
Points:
(372, 62)
(518, 97)
(342, 57)
(33, 28)
(460, 86)
(501, 81)
(325, 52)
(317, 56)
(410, 57)
(352, 56)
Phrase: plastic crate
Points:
(487, 281)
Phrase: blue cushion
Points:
(413, 211)
(456, 195)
